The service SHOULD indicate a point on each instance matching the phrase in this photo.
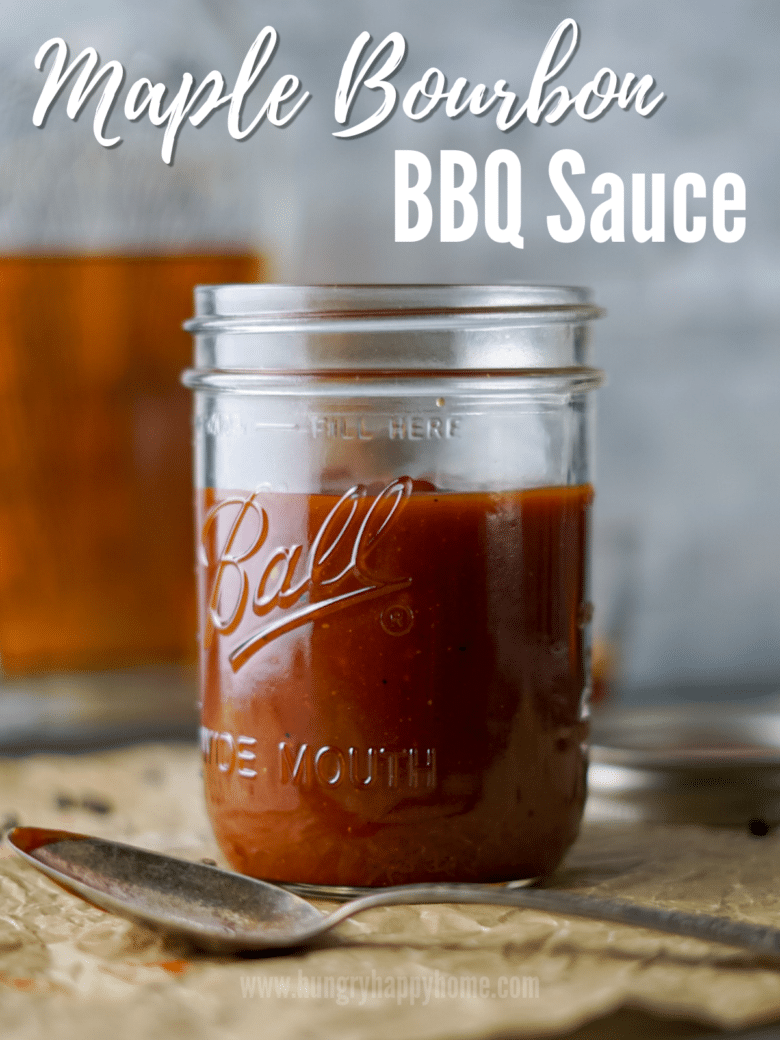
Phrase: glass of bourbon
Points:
(393, 487)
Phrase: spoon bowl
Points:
(217, 909)
(222, 912)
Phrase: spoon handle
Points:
(758, 939)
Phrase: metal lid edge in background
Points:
(715, 764)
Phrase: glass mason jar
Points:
(392, 497)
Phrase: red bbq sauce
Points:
(393, 681)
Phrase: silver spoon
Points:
(225, 912)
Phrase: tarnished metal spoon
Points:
(225, 912)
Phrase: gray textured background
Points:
(689, 432)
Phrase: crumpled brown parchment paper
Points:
(428, 972)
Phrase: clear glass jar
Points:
(392, 497)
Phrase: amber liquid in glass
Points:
(95, 514)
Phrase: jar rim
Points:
(271, 307)
(391, 328)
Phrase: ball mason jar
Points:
(393, 486)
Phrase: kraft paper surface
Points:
(428, 972)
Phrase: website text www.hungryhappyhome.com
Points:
(403, 989)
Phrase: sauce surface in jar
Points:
(393, 681)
